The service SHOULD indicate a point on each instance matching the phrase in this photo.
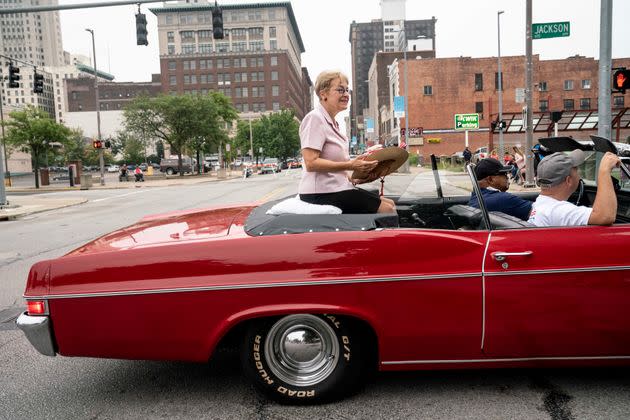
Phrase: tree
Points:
(186, 123)
(32, 130)
(278, 135)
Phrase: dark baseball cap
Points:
(554, 169)
(490, 167)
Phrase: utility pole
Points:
(500, 77)
(98, 110)
(529, 173)
(405, 167)
(3, 158)
(605, 61)
(251, 142)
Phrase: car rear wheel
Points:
(303, 358)
(169, 171)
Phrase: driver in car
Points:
(492, 176)
(558, 178)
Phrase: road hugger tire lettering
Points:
(303, 358)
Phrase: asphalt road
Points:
(33, 386)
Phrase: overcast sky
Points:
(463, 28)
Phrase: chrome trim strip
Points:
(256, 286)
(516, 359)
(483, 291)
(557, 271)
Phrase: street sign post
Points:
(466, 121)
(551, 30)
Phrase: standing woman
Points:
(325, 151)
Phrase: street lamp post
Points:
(405, 167)
(500, 83)
(98, 110)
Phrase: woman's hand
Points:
(362, 166)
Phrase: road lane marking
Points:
(118, 196)
(272, 194)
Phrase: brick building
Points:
(112, 96)
(257, 64)
(443, 87)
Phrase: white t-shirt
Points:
(547, 211)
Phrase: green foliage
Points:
(187, 123)
(159, 148)
(33, 131)
(277, 134)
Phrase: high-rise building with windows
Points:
(257, 64)
(382, 35)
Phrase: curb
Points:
(17, 215)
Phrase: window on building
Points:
(257, 45)
(223, 46)
(205, 48)
(478, 81)
(171, 49)
(239, 46)
(543, 105)
(170, 36)
(188, 49)
(586, 84)
(169, 19)
(618, 101)
(542, 86)
(428, 90)
(172, 65)
(568, 85)
(274, 60)
(172, 81)
(273, 44)
(204, 34)
(187, 36)
(276, 106)
(496, 81)
(585, 103)
(186, 19)
(275, 90)
(245, 107)
(272, 14)
(274, 75)
(569, 104)
(186, 79)
(479, 109)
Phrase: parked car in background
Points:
(113, 168)
(171, 166)
(269, 165)
(479, 154)
(143, 167)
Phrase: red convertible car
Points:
(317, 301)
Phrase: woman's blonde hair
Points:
(325, 79)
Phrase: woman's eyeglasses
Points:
(344, 90)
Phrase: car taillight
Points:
(36, 307)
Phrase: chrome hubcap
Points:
(301, 350)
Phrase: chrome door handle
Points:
(502, 256)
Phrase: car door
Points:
(557, 292)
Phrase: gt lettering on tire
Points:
(303, 358)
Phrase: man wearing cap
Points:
(492, 176)
(558, 178)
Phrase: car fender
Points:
(266, 311)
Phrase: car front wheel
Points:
(303, 358)
(169, 171)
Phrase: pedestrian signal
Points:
(621, 80)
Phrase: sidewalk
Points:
(36, 202)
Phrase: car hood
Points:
(168, 228)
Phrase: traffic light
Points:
(141, 29)
(217, 22)
(108, 144)
(621, 80)
(14, 76)
(556, 116)
(97, 144)
(38, 83)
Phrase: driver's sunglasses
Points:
(344, 90)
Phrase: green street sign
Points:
(551, 30)
(466, 121)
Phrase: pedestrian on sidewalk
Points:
(467, 156)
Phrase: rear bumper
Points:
(38, 330)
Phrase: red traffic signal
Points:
(621, 80)
(97, 144)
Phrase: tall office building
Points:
(385, 34)
(257, 64)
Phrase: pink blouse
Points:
(319, 131)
